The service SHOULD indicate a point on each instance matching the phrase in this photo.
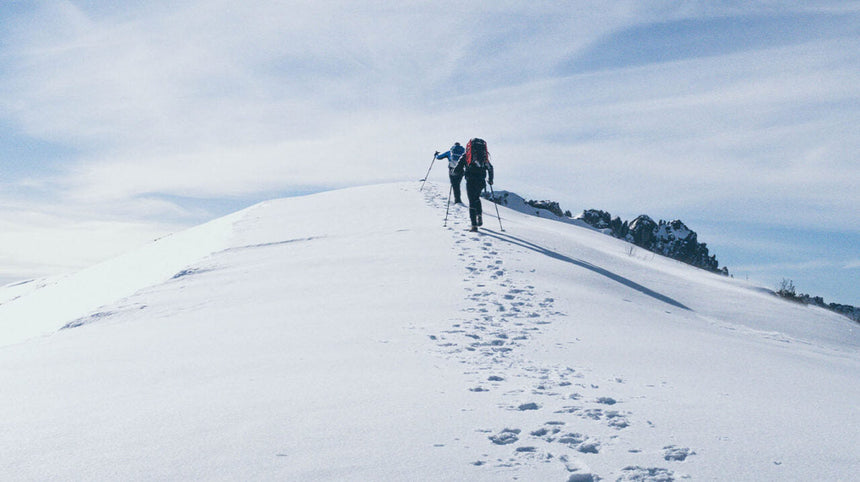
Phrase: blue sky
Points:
(119, 125)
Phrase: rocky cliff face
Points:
(672, 239)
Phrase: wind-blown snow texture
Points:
(348, 335)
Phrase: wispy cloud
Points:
(154, 96)
(160, 101)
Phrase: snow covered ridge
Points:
(541, 209)
(349, 335)
(41, 307)
(788, 292)
(671, 239)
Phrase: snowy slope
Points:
(43, 306)
(349, 335)
(516, 202)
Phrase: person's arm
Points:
(446, 154)
(490, 172)
(461, 166)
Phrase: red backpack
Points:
(477, 157)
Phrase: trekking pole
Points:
(448, 206)
(497, 208)
(428, 173)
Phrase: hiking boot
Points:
(474, 229)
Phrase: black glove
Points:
(436, 153)
(491, 182)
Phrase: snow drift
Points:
(349, 335)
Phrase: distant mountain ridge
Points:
(672, 239)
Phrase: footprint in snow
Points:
(506, 436)
(673, 453)
(650, 474)
(528, 406)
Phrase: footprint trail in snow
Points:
(502, 313)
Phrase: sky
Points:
(121, 124)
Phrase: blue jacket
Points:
(453, 155)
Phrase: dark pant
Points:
(455, 186)
(474, 186)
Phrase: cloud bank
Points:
(741, 111)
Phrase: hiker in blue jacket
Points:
(453, 155)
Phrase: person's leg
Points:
(455, 185)
(478, 206)
(473, 190)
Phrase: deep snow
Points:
(349, 335)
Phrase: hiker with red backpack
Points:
(475, 165)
